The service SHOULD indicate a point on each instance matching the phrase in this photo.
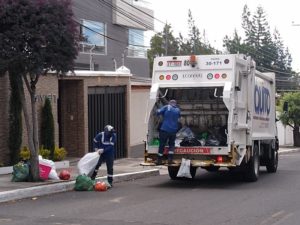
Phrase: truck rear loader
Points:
(227, 114)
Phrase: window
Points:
(136, 44)
(93, 37)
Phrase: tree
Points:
(236, 44)
(47, 128)
(162, 43)
(268, 51)
(36, 37)
(292, 116)
(196, 40)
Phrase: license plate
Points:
(173, 63)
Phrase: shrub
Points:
(45, 153)
(25, 153)
(59, 154)
(47, 128)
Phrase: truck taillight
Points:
(219, 159)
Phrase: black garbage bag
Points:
(212, 141)
(190, 142)
(20, 172)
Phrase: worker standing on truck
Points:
(104, 143)
(168, 129)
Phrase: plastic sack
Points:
(47, 161)
(184, 169)
(87, 163)
(212, 141)
(20, 172)
(53, 175)
(46, 167)
(185, 132)
(84, 183)
(190, 142)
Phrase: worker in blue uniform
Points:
(104, 143)
(168, 130)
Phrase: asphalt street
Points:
(212, 198)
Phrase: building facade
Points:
(112, 35)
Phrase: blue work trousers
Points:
(165, 137)
(107, 157)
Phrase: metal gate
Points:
(106, 105)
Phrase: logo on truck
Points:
(262, 100)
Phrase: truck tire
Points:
(173, 170)
(272, 163)
(252, 167)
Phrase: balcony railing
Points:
(136, 52)
(90, 48)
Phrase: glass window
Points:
(136, 43)
(93, 39)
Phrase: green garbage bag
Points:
(20, 172)
(84, 183)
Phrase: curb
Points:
(289, 150)
(67, 186)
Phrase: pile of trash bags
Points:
(214, 137)
(21, 170)
(86, 167)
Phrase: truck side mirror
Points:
(285, 107)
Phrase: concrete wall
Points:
(285, 134)
(47, 86)
(138, 109)
(72, 125)
(143, 16)
(74, 114)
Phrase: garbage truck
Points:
(227, 114)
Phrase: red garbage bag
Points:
(100, 186)
(64, 175)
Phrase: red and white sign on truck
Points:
(227, 113)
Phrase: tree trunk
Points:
(296, 135)
(35, 153)
(34, 161)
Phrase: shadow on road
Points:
(222, 179)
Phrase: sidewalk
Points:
(124, 169)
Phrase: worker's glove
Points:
(99, 150)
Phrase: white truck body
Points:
(215, 91)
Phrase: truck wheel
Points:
(252, 167)
(173, 170)
(272, 163)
